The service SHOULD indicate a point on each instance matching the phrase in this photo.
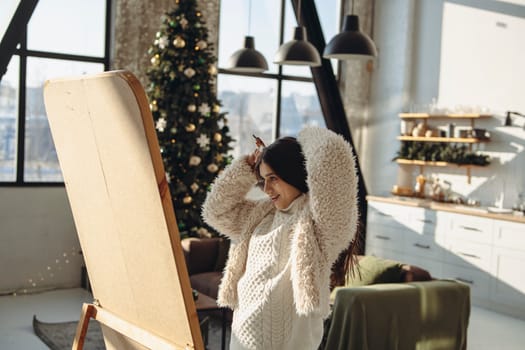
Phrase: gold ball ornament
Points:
(201, 45)
(217, 137)
(212, 168)
(172, 75)
(155, 60)
(153, 106)
(189, 72)
(190, 127)
(179, 42)
(195, 160)
(213, 70)
(216, 108)
(187, 200)
(192, 108)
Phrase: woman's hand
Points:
(254, 156)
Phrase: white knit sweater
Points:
(286, 255)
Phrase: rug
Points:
(59, 336)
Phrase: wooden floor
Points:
(487, 330)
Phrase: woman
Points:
(278, 271)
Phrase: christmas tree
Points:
(193, 135)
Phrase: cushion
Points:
(371, 270)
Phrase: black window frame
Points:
(23, 54)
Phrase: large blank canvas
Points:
(110, 159)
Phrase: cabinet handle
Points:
(383, 214)
(423, 246)
(469, 255)
(426, 221)
(386, 238)
(470, 228)
(464, 280)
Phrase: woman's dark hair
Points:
(286, 159)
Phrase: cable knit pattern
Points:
(283, 260)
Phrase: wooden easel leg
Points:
(88, 311)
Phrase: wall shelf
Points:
(424, 118)
(442, 139)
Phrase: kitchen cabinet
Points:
(486, 253)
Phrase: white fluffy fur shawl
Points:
(323, 229)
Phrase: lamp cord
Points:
(250, 17)
(299, 12)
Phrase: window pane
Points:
(41, 164)
(328, 12)
(299, 107)
(68, 26)
(9, 90)
(264, 27)
(250, 104)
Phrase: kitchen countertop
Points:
(450, 207)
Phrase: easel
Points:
(116, 184)
(139, 335)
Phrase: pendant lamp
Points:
(298, 51)
(247, 59)
(351, 42)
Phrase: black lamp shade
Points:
(247, 60)
(351, 42)
(298, 51)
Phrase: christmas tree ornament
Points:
(213, 69)
(189, 72)
(195, 94)
(219, 158)
(173, 130)
(173, 141)
(194, 187)
(212, 168)
(155, 60)
(179, 42)
(184, 23)
(198, 14)
(201, 120)
(195, 160)
(204, 109)
(197, 25)
(217, 137)
(203, 140)
(163, 42)
(190, 127)
(192, 108)
(187, 200)
(216, 108)
(153, 106)
(172, 75)
(201, 60)
(161, 124)
(201, 45)
(204, 233)
(181, 68)
(196, 87)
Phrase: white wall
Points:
(408, 73)
(39, 247)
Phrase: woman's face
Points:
(280, 192)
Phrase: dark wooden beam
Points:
(330, 98)
(15, 32)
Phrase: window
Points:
(283, 99)
(63, 38)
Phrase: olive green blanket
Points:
(415, 315)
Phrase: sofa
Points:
(373, 311)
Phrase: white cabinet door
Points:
(508, 285)
(477, 280)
